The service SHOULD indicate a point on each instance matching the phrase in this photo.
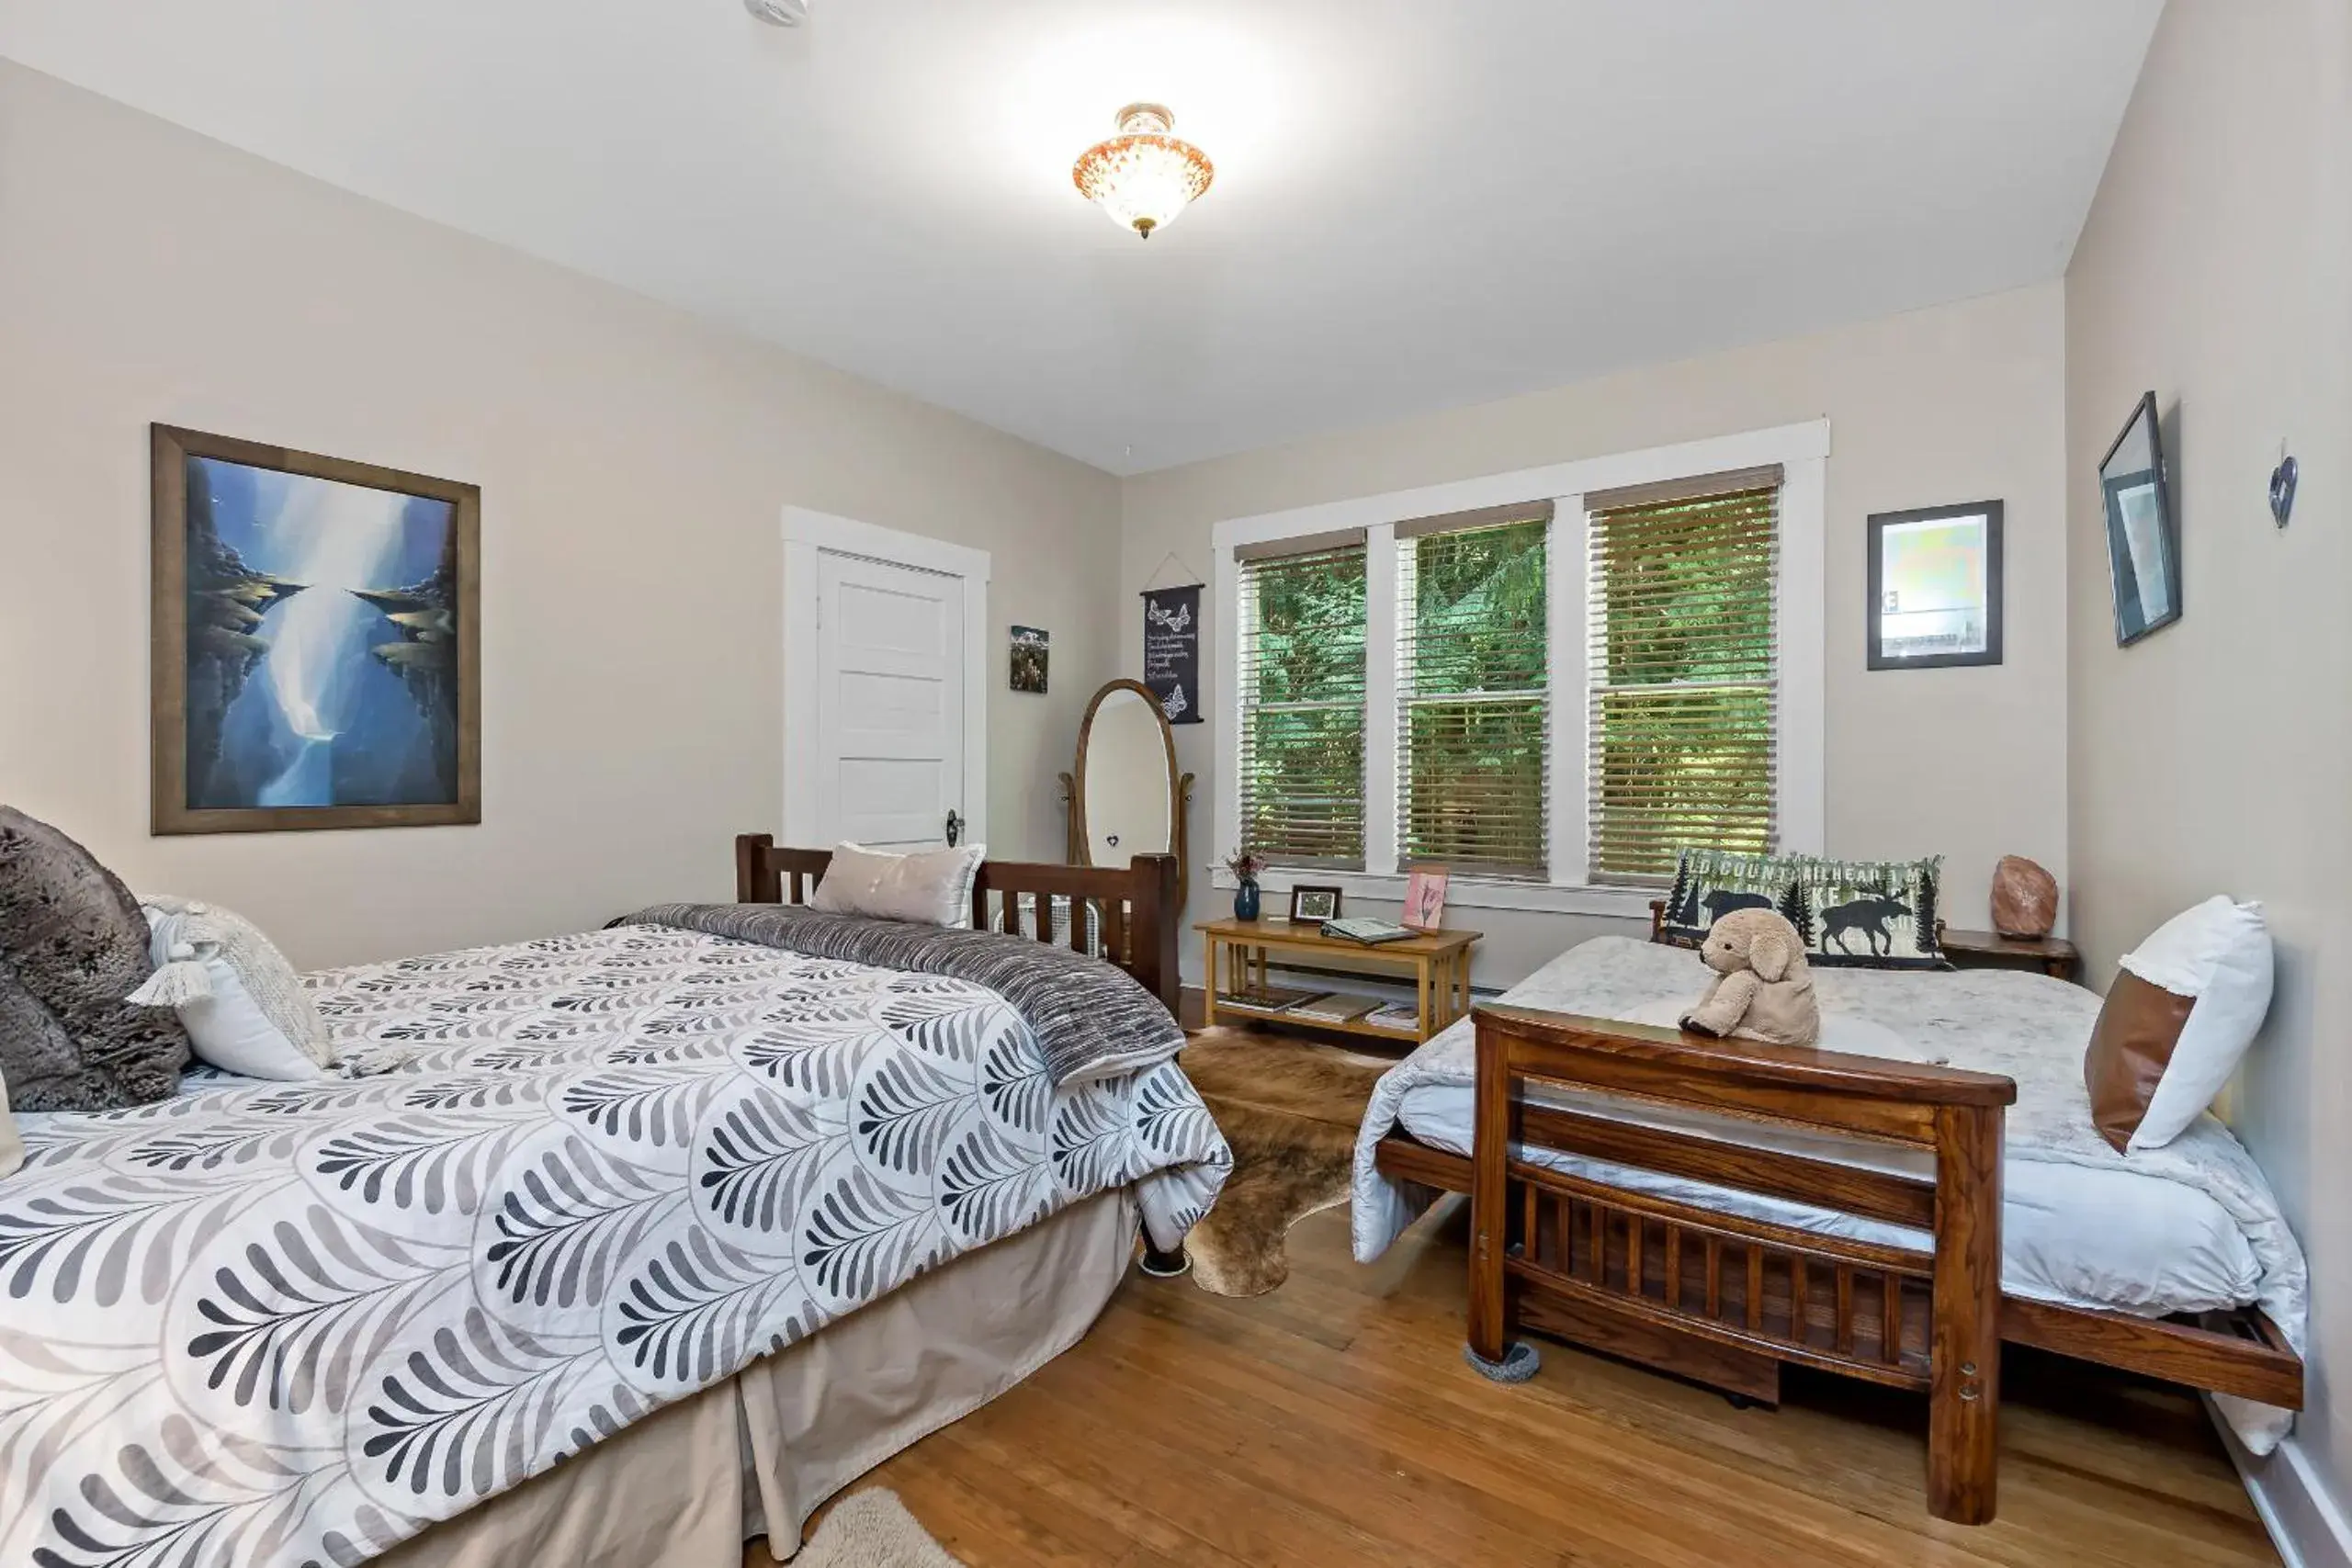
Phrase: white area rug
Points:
(871, 1529)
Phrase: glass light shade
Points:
(1143, 178)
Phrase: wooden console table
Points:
(1238, 954)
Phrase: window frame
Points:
(1801, 452)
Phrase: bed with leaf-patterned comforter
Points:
(575, 1179)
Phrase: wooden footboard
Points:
(1134, 911)
(2240, 1351)
(1726, 1300)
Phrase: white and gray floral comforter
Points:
(265, 1324)
(2027, 1027)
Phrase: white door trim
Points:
(809, 534)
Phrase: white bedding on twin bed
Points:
(2186, 1227)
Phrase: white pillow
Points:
(242, 1003)
(2217, 953)
(932, 887)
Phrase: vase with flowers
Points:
(1245, 864)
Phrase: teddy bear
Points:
(1763, 989)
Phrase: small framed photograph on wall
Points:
(1031, 649)
(1934, 587)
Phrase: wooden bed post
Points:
(1488, 1180)
(1964, 1370)
(756, 881)
(1491, 1350)
(1157, 919)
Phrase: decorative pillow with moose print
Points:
(1861, 914)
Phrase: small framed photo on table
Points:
(1312, 906)
(1425, 898)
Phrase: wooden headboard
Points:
(1135, 910)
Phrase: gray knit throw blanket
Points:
(1091, 1020)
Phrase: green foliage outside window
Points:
(1475, 683)
(1302, 761)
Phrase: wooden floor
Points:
(1334, 1422)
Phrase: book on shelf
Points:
(1395, 1015)
(1337, 1008)
(1369, 931)
(1274, 998)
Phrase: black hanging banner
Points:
(1171, 651)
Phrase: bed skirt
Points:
(757, 1454)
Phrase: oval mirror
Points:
(1127, 799)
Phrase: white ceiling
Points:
(1418, 205)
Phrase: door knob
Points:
(955, 826)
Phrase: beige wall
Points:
(2216, 756)
(633, 464)
(1964, 403)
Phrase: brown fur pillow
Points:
(72, 945)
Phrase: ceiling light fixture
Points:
(780, 13)
(1143, 178)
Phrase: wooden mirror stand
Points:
(1180, 789)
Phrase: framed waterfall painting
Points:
(317, 641)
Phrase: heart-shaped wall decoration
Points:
(2282, 490)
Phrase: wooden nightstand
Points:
(2053, 955)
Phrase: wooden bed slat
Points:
(1878, 1195)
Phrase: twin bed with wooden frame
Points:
(1727, 1299)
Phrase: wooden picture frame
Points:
(1312, 904)
(429, 621)
(1881, 603)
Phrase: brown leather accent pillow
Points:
(2130, 1046)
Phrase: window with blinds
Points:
(1682, 672)
(1302, 677)
(1474, 693)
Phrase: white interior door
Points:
(890, 703)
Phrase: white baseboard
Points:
(2295, 1502)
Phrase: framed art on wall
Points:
(1934, 587)
(2143, 534)
(316, 641)
(1031, 649)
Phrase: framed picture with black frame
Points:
(1934, 587)
(1310, 904)
(2143, 534)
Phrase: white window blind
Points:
(1474, 693)
(1682, 671)
(1302, 691)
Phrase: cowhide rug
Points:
(1289, 1108)
(873, 1529)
